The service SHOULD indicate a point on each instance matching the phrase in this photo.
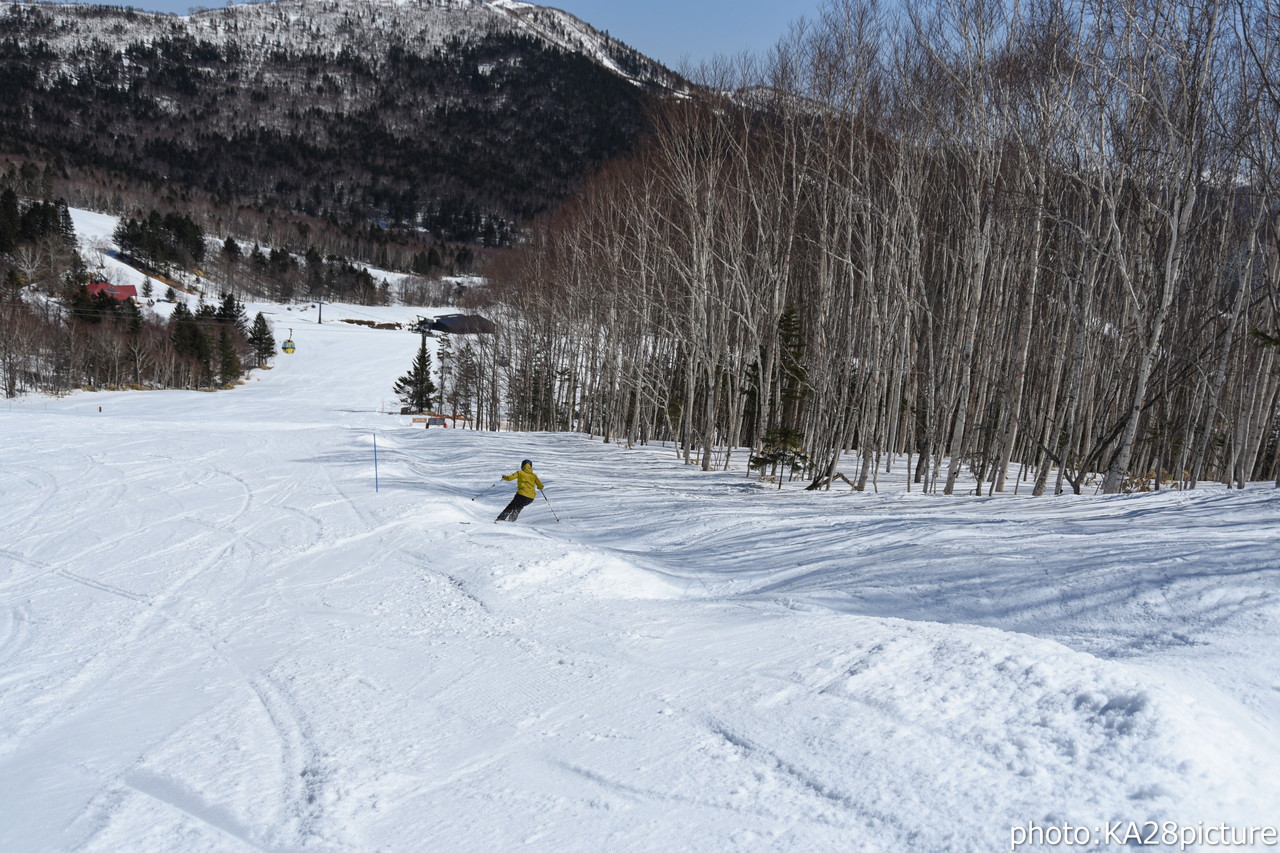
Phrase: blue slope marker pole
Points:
(375, 462)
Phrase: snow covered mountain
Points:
(331, 28)
(458, 116)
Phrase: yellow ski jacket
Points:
(528, 481)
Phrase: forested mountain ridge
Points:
(460, 117)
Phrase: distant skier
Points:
(528, 482)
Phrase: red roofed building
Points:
(122, 292)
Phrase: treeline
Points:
(33, 223)
(99, 190)
(469, 373)
(468, 387)
(112, 344)
(165, 242)
(279, 276)
(95, 342)
(1008, 241)
(55, 336)
(161, 242)
(214, 341)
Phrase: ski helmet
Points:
(526, 462)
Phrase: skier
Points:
(527, 482)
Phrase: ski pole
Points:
(499, 480)
(549, 506)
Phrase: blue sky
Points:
(670, 31)
(673, 30)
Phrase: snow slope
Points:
(219, 632)
(95, 232)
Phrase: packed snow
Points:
(281, 617)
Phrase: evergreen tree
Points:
(133, 317)
(263, 342)
(793, 380)
(444, 352)
(783, 448)
(231, 312)
(415, 388)
(229, 367)
(89, 309)
(76, 274)
(188, 338)
(161, 242)
(66, 227)
(10, 220)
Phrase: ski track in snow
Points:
(216, 635)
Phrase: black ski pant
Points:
(512, 512)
